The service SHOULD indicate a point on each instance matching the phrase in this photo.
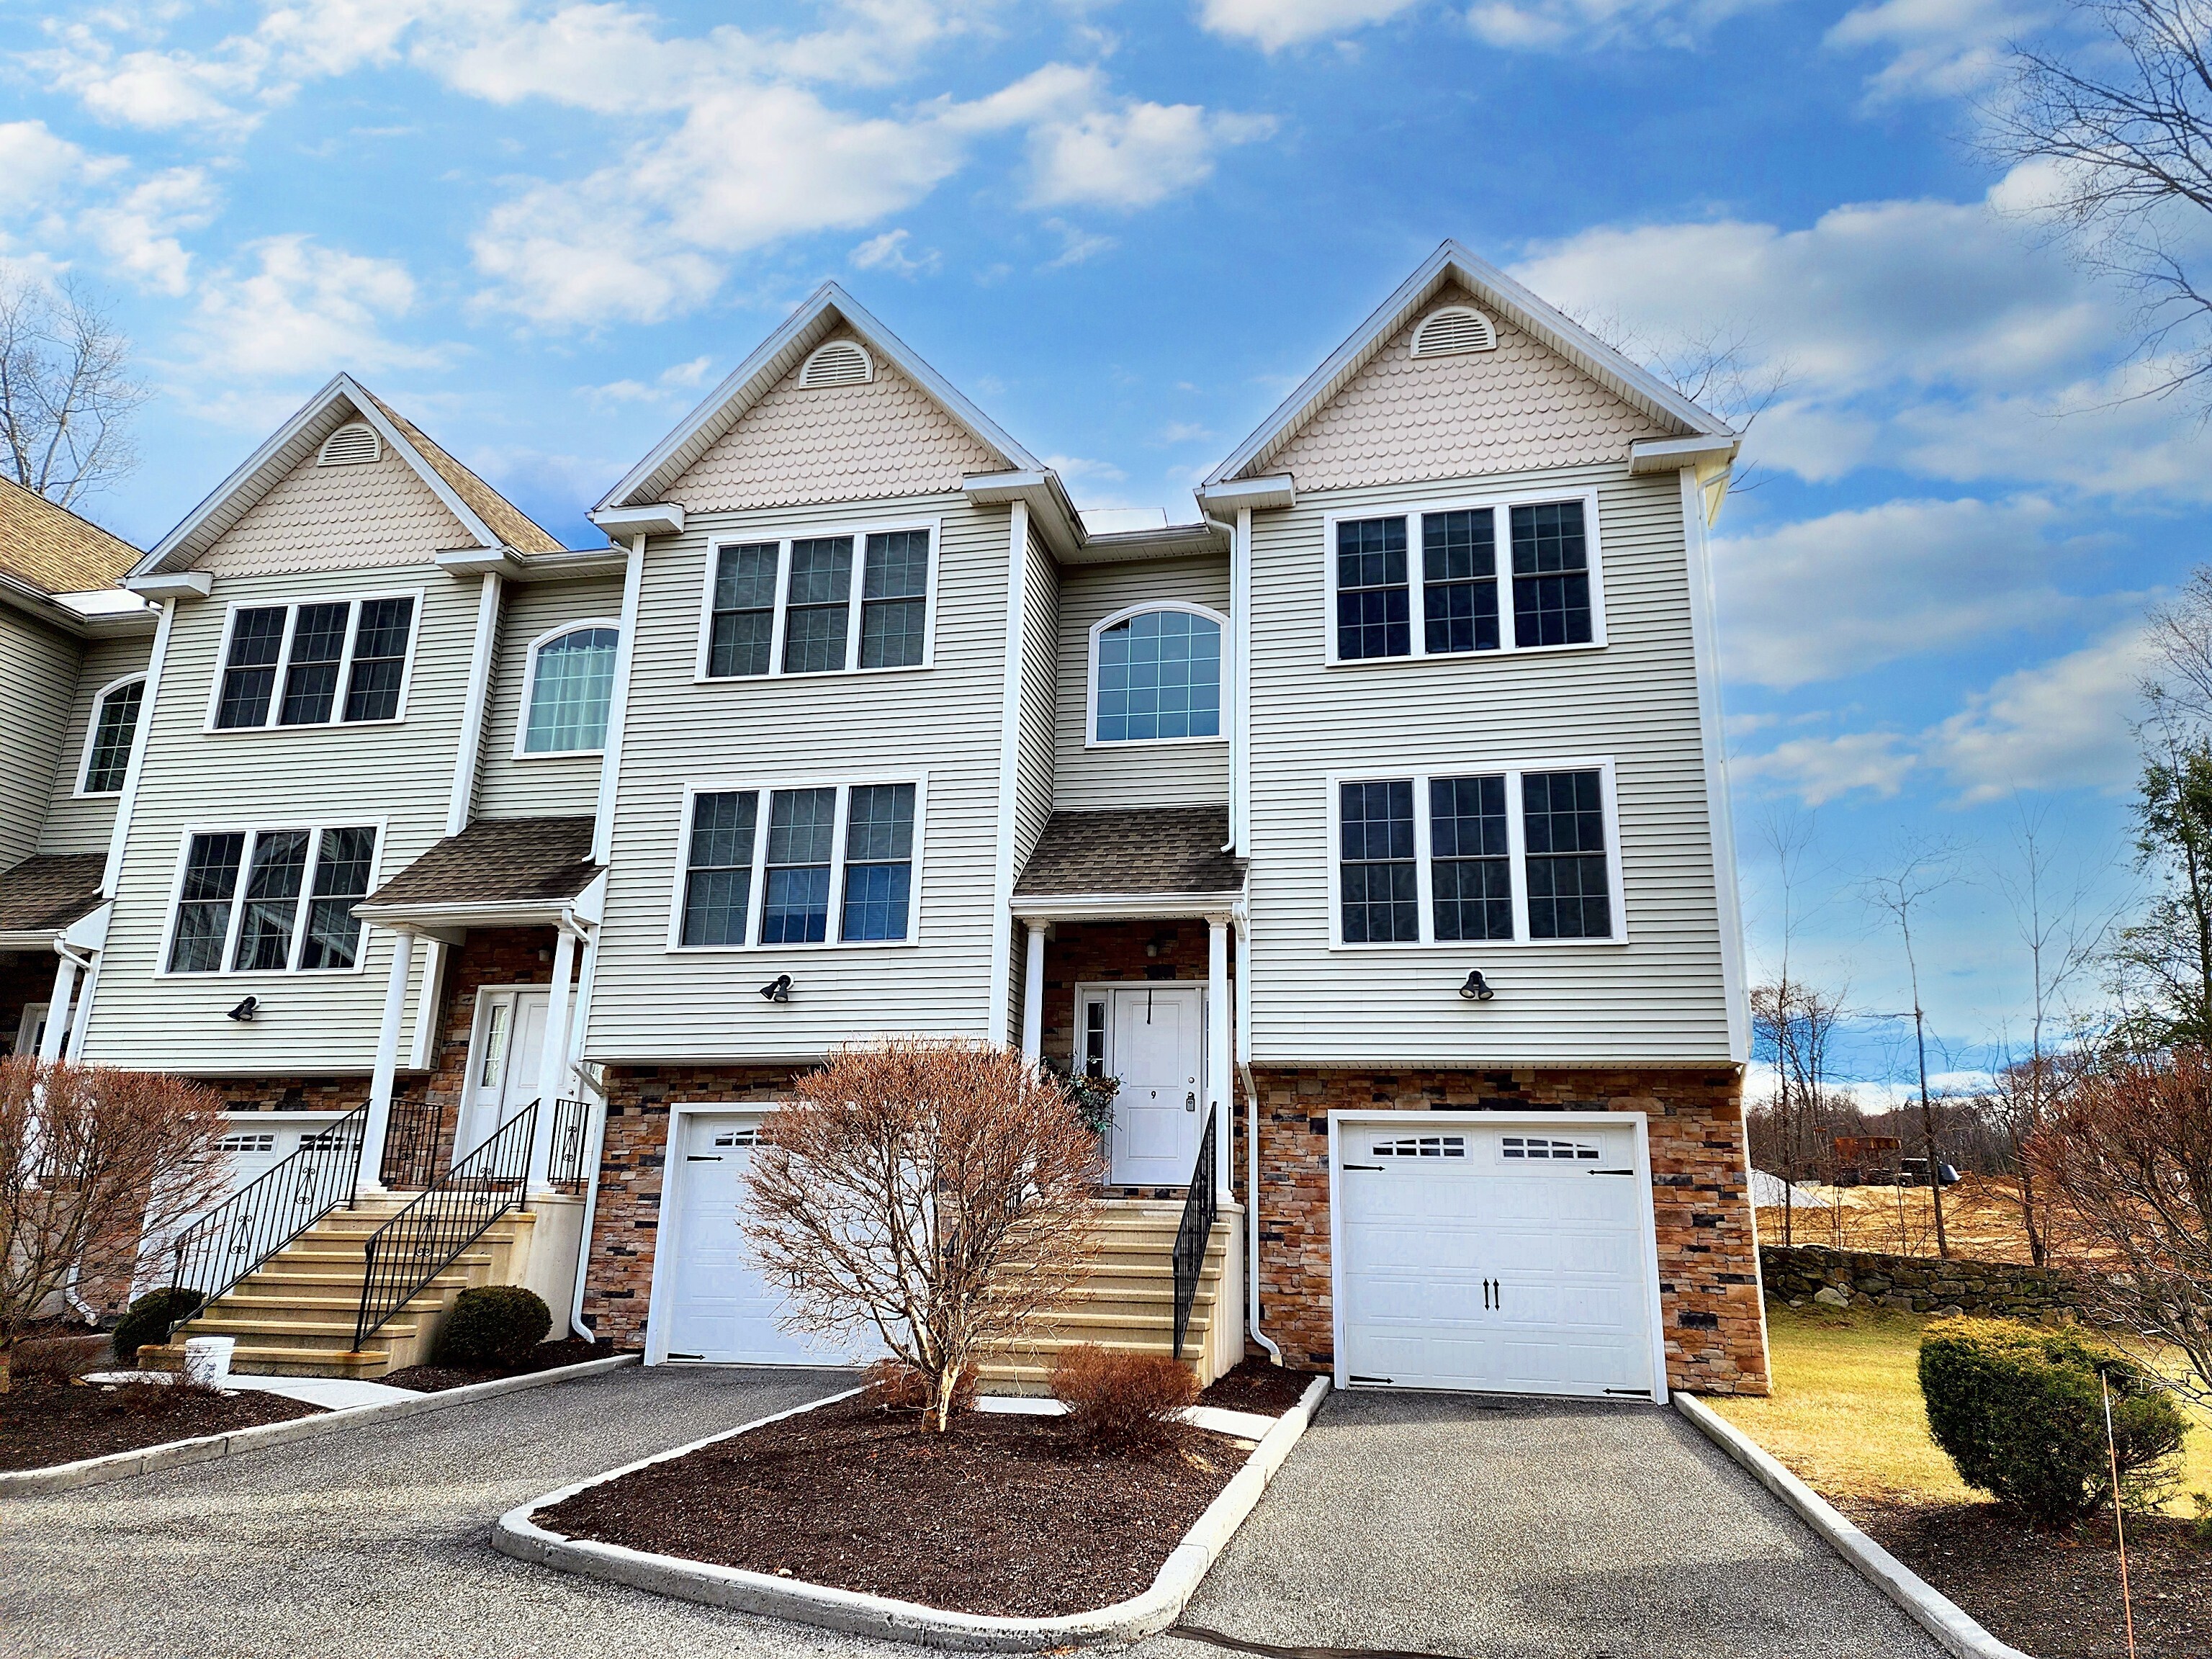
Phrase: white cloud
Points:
(1272, 25)
(1938, 48)
(1131, 154)
(37, 169)
(671, 381)
(889, 252)
(139, 230)
(1550, 25)
(1075, 245)
(1817, 770)
(306, 310)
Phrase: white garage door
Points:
(1510, 1259)
(721, 1306)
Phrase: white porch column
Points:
(1033, 996)
(553, 1069)
(371, 1178)
(1218, 1094)
(58, 1010)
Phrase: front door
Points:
(1158, 1051)
(505, 1061)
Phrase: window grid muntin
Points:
(1470, 858)
(574, 700)
(1124, 653)
(1551, 574)
(1500, 510)
(759, 862)
(256, 689)
(899, 624)
(231, 901)
(115, 732)
(878, 841)
(1374, 608)
(895, 599)
(1569, 878)
(1378, 864)
(719, 859)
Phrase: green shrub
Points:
(493, 1326)
(147, 1320)
(2020, 1410)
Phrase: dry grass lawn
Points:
(1981, 1217)
(1846, 1416)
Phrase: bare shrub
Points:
(93, 1163)
(935, 1194)
(1120, 1401)
(892, 1385)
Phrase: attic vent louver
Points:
(350, 445)
(841, 362)
(1454, 329)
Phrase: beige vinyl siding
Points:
(37, 682)
(1195, 773)
(83, 824)
(1658, 999)
(650, 1004)
(1040, 650)
(532, 785)
(331, 776)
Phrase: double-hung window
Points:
(815, 864)
(823, 604)
(109, 735)
(320, 663)
(1457, 856)
(1461, 580)
(271, 901)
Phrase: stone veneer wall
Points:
(1919, 1284)
(1716, 1323)
(289, 1094)
(618, 1274)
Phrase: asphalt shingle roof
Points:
(508, 521)
(55, 550)
(1138, 850)
(49, 892)
(499, 860)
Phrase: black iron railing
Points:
(260, 1218)
(1200, 1206)
(415, 1143)
(427, 1237)
(570, 1140)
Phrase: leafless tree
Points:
(2127, 1152)
(93, 1162)
(1792, 1024)
(66, 390)
(2124, 109)
(939, 1195)
(2181, 633)
(1920, 870)
(1717, 366)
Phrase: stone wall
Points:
(289, 1094)
(1917, 1283)
(1716, 1323)
(618, 1274)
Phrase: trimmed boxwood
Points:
(2020, 1410)
(493, 1326)
(147, 1320)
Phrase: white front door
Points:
(1158, 1051)
(1511, 1260)
(31, 1029)
(505, 1060)
(721, 1306)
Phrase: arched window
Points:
(108, 735)
(569, 680)
(1156, 675)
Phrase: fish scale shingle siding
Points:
(373, 514)
(1519, 407)
(826, 444)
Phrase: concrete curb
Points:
(885, 1616)
(204, 1448)
(1934, 1612)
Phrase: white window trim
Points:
(315, 828)
(1090, 738)
(92, 736)
(530, 688)
(844, 784)
(1500, 505)
(284, 661)
(1517, 864)
(783, 540)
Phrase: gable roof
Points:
(484, 514)
(1537, 317)
(774, 358)
(52, 550)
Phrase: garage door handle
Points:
(1611, 1172)
(1376, 1168)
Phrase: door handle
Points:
(1190, 1102)
(1493, 1295)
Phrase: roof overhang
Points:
(651, 518)
(87, 932)
(568, 565)
(433, 918)
(1125, 907)
(172, 585)
(103, 615)
(1452, 264)
(1705, 454)
(1278, 491)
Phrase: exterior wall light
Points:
(1477, 988)
(245, 1011)
(777, 989)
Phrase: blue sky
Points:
(543, 229)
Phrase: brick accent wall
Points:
(618, 1276)
(289, 1094)
(1709, 1283)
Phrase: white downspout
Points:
(595, 1141)
(1244, 1039)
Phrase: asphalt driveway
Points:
(1495, 1528)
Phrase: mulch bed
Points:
(1257, 1385)
(2057, 1596)
(46, 1419)
(545, 1356)
(1007, 1515)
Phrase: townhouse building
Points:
(1371, 829)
